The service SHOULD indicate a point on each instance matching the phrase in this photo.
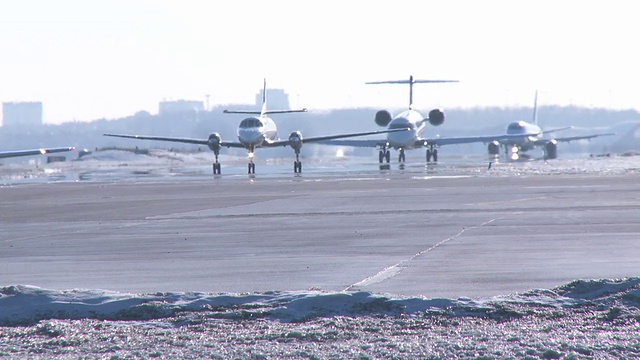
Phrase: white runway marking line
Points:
(393, 270)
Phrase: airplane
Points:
(520, 136)
(42, 151)
(409, 118)
(254, 132)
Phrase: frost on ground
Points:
(582, 319)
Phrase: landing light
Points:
(250, 155)
(340, 153)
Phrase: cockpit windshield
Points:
(515, 126)
(250, 123)
(400, 123)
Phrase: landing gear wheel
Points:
(428, 155)
(387, 156)
(252, 168)
(401, 157)
(297, 167)
(381, 156)
(216, 168)
(435, 155)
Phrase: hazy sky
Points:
(92, 59)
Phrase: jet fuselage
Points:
(530, 133)
(410, 119)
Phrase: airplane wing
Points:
(355, 143)
(43, 151)
(330, 139)
(228, 144)
(471, 139)
(575, 138)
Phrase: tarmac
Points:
(416, 233)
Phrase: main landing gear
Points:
(385, 158)
(432, 153)
(385, 155)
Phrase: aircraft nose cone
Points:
(250, 136)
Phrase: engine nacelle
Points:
(436, 117)
(383, 118)
(295, 140)
(213, 142)
(494, 148)
(551, 149)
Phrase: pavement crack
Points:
(395, 269)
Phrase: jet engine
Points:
(436, 117)
(494, 148)
(551, 149)
(214, 142)
(383, 118)
(295, 140)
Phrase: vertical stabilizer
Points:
(535, 109)
(263, 112)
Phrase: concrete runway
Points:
(408, 233)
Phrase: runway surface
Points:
(445, 231)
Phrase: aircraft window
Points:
(514, 126)
(250, 123)
(400, 125)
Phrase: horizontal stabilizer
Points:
(410, 81)
(254, 112)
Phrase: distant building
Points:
(179, 107)
(22, 114)
(277, 99)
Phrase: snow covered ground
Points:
(582, 319)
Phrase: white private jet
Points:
(409, 118)
(254, 132)
(522, 136)
(42, 151)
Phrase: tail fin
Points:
(411, 81)
(535, 109)
(263, 112)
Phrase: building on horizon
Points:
(22, 114)
(277, 99)
(180, 106)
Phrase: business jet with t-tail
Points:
(404, 140)
(255, 132)
(41, 151)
